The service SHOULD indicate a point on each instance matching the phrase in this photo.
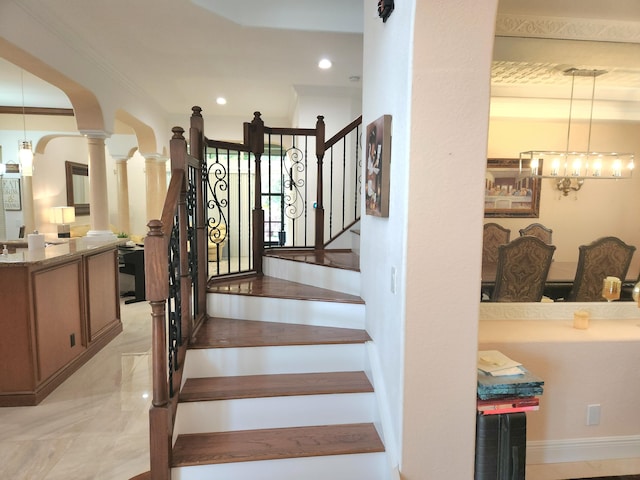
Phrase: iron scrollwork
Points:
(293, 182)
(216, 202)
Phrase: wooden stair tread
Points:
(277, 385)
(271, 287)
(227, 333)
(277, 443)
(337, 258)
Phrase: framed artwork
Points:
(378, 154)
(510, 192)
(11, 194)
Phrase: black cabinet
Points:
(132, 262)
(501, 442)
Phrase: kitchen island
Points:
(59, 306)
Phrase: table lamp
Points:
(63, 216)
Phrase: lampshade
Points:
(25, 154)
(63, 215)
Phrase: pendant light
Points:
(25, 152)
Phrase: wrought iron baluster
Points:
(174, 305)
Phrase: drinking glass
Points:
(611, 288)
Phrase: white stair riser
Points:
(363, 466)
(337, 279)
(304, 312)
(216, 362)
(274, 412)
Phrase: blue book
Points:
(522, 385)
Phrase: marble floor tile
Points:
(96, 424)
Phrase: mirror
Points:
(77, 175)
(530, 110)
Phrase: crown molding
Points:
(567, 28)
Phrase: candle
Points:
(597, 168)
(555, 166)
(534, 166)
(576, 167)
(581, 319)
(617, 167)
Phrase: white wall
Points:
(387, 48)
(437, 90)
(597, 366)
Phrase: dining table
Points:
(559, 279)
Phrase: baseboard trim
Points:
(583, 449)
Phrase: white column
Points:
(162, 180)
(122, 177)
(98, 204)
(156, 179)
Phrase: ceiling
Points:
(256, 53)
(181, 53)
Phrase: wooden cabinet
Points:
(57, 309)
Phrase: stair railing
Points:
(176, 293)
(315, 205)
(176, 289)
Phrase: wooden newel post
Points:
(157, 291)
(256, 138)
(196, 142)
(319, 239)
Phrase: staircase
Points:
(274, 386)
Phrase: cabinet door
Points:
(58, 312)
(103, 296)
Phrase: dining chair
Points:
(604, 257)
(523, 266)
(494, 235)
(538, 230)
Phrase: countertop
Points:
(53, 253)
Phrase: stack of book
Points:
(505, 386)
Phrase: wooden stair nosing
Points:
(278, 288)
(230, 333)
(276, 443)
(275, 385)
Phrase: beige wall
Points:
(597, 366)
(600, 208)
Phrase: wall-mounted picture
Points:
(378, 152)
(509, 190)
(11, 194)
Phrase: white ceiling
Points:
(182, 54)
(255, 53)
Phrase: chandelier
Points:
(570, 168)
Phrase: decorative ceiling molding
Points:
(527, 73)
(567, 28)
(68, 112)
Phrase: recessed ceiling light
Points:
(324, 64)
(221, 101)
